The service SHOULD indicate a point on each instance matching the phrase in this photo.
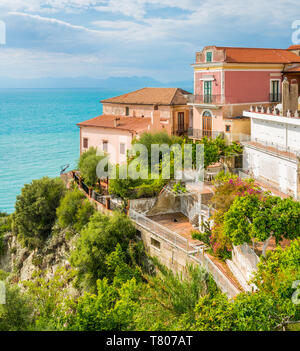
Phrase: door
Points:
(207, 92)
(207, 124)
(180, 122)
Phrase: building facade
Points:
(272, 156)
(128, 116)
(228, 81)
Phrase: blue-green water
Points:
(38, 134)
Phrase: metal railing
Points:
(205, 99)
(162, 232)
(200, 133)
(219, 277)
(99, 198)
(274, 148)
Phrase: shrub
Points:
(5, 226)
(96, 242)
(36, 210)
(87, 165)
(16, 313)
(74, 210)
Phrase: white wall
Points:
(286, 135)
(96, 136)
(273, 168)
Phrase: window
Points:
(127, 111)
(227, 128)
(275, 89)
(207, 91)
(209, 56)
(181, 122)
(122, 149)
(85, 143)
(155, 243)
(105, 145)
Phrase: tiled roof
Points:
(294, 47)
(131, 124)
(151, 96)
(257, 55)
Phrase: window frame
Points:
(124, 145)
(105, 142)
(152, 243)
(85, 141)
(209, 53)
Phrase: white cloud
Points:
(137, 42)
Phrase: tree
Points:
(87, 165)
(276, 274)
(248, 312)
(16, 313)
(254, 217)
(111, 308)
(36, 210)
(97, 241)
(49, 297)
(171, 298)
(227, 188)
(74, 210)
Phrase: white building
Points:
(272, 155)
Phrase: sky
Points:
(123, 38)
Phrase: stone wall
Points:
(142, 205)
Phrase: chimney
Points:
(289, 96)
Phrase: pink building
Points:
(128, 116)
(228, 81)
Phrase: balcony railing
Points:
(206, 99)
(200, 133)
(275, 97)
(274, 148)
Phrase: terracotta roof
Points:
(294, 47)
(258, 55)
(131, 124)
(151, 96)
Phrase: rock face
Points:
(23, 262)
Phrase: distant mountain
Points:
(112, 83)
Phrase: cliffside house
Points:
(228, 80)
(128, 116)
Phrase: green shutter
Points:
(209, 56)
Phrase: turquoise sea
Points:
(38, 134)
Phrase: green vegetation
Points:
(5, 227)
(87, 166)
(35, 212)
(113, 285)
(74, 210)
(16, 313)
(256, 217)
(97, 241)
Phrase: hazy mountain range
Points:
(112, 83)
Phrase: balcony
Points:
(275, 149)
(206, 99)
(200, 133)
(275, 98)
